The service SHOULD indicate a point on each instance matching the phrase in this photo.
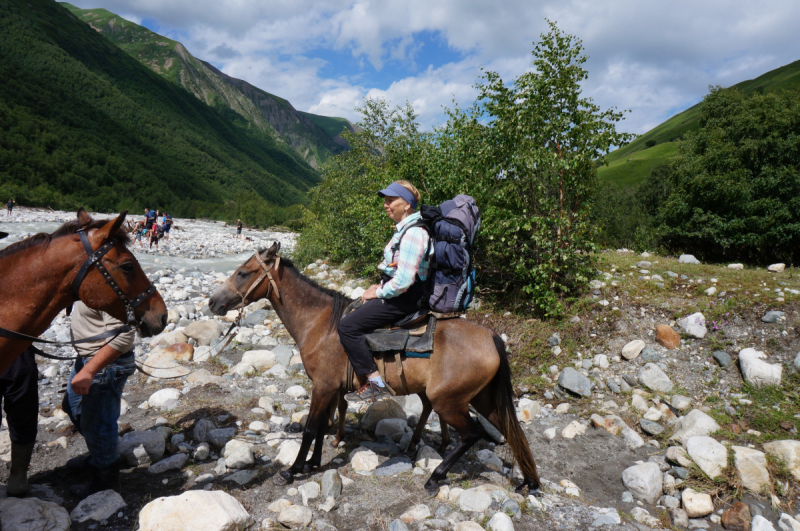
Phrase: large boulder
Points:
(169, 338)
(710, 455)
(382, 409)
(693, 325)
(204, 332)
(32, 514)
(195, 510)
(99, 506)
(694, 423)
(652, 377)
(756, 371)
(161, 364)
(789, 452)
(645, 481)
(152, 442)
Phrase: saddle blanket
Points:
(415, 341)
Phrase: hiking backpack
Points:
(452, 227)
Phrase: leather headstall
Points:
(266, 273)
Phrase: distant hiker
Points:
(238, 234)
(94, 391)
(167, 225)
(404, 270)
(154, 235)
(19, 388)
(139, 231)
(149, 219)
(9, 207)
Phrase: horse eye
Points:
(243, 274)
(127, 267)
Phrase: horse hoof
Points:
(283, 478)
(307, 469)
(335, 443)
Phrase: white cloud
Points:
(652, 57)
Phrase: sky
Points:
(652, 57)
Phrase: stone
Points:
(331, 485)
(390, 427)
(679, 518)
(787, 523)
(681, 403)
(204, 332)
(296, 392)
(797, 362)
(382, 409)
(239, 456)
(258, 427)
(32, 514)
(639, 404)
(632, 350)
(601, 361)
(278, 505)
(643, 517)
(283, 354)
(266, 402)
(789, 452)
(152, 442)
(632, 439)
(243, 369)
(688, 259)
(500, 522)
(364, 460)
(202, 452)
(160, 398)
(677, 455)
(308, 491)
(99, 506)
(760, 523)
(427, 459)
(653, 414)
(608, 516)
(179, 352)
(242, 477)
(756, 371)
(651, 428)
(399, 525)
(255, 317)
(644, 481)
(611, 423)
(650, 355)
(416, 513)
(490, 460)
(573, 429)
(261, 360)
(528, 409)
(708, 454)
(287, 452)
(694, 423)
(773, 316)
(667, 337)
(174, 462)
(202, 428)
(295, 517)
(168, 338)
(752, 468)
(195, 509)
(573, 381)
(203, 377)
(711, 291)
(694, 325)
(652, 377)
(737, 517)
(159, 364)
(394, 466)
(722, 358)
(776, 268)
(220, 436)
(475, 500)
(696, 504)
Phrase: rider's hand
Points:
(82, 382)
(371, 293)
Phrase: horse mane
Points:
(340, 302)
(70, 227)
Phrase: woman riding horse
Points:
(404, 270)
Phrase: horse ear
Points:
(83, 217)
(110, 228)
(270, 253)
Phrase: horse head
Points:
(247, 284)
(98, 289)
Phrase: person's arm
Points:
(102, 359)
(409, 256)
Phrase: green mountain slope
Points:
(83, 123)
(170, 59)
(643, 159)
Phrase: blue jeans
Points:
(95, 414)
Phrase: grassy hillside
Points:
(83, 123)
(331, 125)
(271, 114)
(644, 159)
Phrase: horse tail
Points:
(507, 415)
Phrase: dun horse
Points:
(468, 365)
(37, 276)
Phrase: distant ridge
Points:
(667, 135)
(270, 113)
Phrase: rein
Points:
(265, 274)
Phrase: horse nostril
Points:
(163, 321)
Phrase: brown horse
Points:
(468, 365)
(37, 274)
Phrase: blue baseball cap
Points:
(398, 190)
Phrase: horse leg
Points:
(469, 431)
(423, 419)
(318, 416)
(316, 457)
(342, 417)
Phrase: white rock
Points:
(416, 513)
(573, 429)
(676, 454)
(427, 459)
(490, 460)
(688, 259)
(475, 500)
(412, 405)
(364, 459)
(776, 268)
(789, 452)
(711, 291)
(787, 523)
(295, 517)
(639, 404)
(681, 403)
(159, 398)
(197, 510)
(632, 439)
(694, 423)
(735, 266)
(500, 522)
(261, 360)
(238, 456)
(297, 391)
(653, 414)
(528, 409)
(243, 369)
(752, 468)
(550, 433)
(760, 523)
(308, 491)
(757, 372)
(694, 325)
(641, 515)
(710, 455)
(279, 505)
(287, 452)
(644, 481)
(601, 361)
(633, 349)
(32, 514)
(654, 378)
(696, 504)
(258, 427)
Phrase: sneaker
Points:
(369, 391)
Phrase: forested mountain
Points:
(267, 112)
(82, 123)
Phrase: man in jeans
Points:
(93, 396)
(20, 393)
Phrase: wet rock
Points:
(756, 371)
(696, 504)
(475, 500)
(708, 454)
(693, 325)
(667, 337)
(197, 510)
(694, 423)
(383, 409)
(773, 316)
(295, 517)
(152, 442)
(652, 377)
(26, 514)
(633, 349)
(752, 468)
(573, 381)
(174, 462)
(688, 259)
(204, 332)
(789, 452)
(722, 358)
(99, 506)
(644, 481)
(737, 517)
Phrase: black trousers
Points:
(374, 314)
(19, 387)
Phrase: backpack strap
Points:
(419, 223)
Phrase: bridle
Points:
(266, 273)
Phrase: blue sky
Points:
(655, 58)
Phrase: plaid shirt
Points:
(409, 261)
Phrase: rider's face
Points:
(396, 208)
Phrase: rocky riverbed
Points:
(640, 418)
